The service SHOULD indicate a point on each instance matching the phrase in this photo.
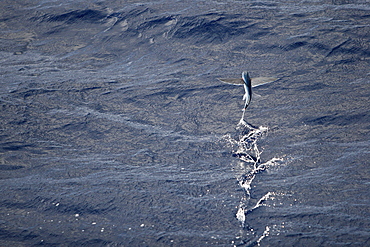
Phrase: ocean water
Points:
(115, 130)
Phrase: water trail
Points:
(246, 149)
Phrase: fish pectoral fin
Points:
(257, 95)
(234, 81)
(258, 81)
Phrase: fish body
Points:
(247, 88)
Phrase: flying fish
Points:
(248, 83)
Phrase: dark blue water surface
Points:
(116, 132)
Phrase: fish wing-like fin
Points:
(235, 81)
(258, 81)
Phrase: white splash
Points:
(246, 149)
(264, 234)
